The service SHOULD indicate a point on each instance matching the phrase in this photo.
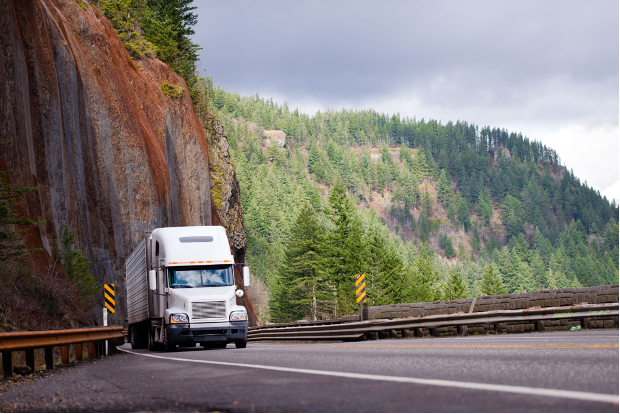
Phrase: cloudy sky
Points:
(548, 69)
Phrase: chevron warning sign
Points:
(360, 288)
(108, 294)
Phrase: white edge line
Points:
(576, 395)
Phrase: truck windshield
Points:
(200, 276)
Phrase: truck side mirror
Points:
(152, 280)
(246, 276)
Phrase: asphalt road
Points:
(539, 372)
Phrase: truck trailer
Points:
(181, 290)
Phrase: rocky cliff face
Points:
(113, 155)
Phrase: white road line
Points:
(577, 395)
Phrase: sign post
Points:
(360, 293)
(110, 305)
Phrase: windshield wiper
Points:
(181, 286)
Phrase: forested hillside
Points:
(428, 211)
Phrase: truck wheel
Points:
(135, 338)
(241, 344)
(169, 346)
(153, 346)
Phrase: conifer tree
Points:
(484, 206)
(345, 249)
(424, 276)
(454, 287)
(444, 192)
(491, 283)
(463, 213)
(301, 290)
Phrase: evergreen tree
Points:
(444, 193)
(454, 287)
(491, 283)
(484, 206)
(424, 276)
(346, 249)
(77, 268)
(301, 290)
(11, 245)
(463, 213)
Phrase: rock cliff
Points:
(113, 154)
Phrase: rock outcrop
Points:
(225, 191)
(114, 156)
(276, 137)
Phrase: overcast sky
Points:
(548, 69)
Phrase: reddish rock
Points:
(113, 155)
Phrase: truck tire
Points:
(169, 346)
(241, 344)
(134, 336)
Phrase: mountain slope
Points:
(474, 196)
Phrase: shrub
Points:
(172, 91)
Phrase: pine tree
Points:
(424, 276)
(454, 287)
(444, 193)
(77, 268)
(301, 291)
(463, 213)
(491, 283)
(346, 249)
(484, 206)
(539, 272)
(11, 245)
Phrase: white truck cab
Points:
(181, 290)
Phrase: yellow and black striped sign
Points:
(360, 288)
(108, 294)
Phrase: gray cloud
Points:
(351, 49)
(541, 65)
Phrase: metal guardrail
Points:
(332, 330)
(28, 341)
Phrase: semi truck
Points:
(181, 290)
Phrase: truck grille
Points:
(208, 310)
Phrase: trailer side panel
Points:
(137, 290)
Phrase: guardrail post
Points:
(79, 352)
(91, 350)
(462, 330)
(540, 326)
(64, 350)
(585, 323)
(384, 334)
(7, 364)
(49, 358)
(433, 331)
(419, 333)
(500, 327)
(405, 333)
(30, 359)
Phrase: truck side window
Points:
(156, 248)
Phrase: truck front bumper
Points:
(189, 334)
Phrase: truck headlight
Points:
(179, 318)
(238, 316)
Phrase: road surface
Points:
(549, 371)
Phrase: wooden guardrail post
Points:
(79, 352)
(7, 363)
(49, 357)
(64, 351)
(91, 349)
(30, 359)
